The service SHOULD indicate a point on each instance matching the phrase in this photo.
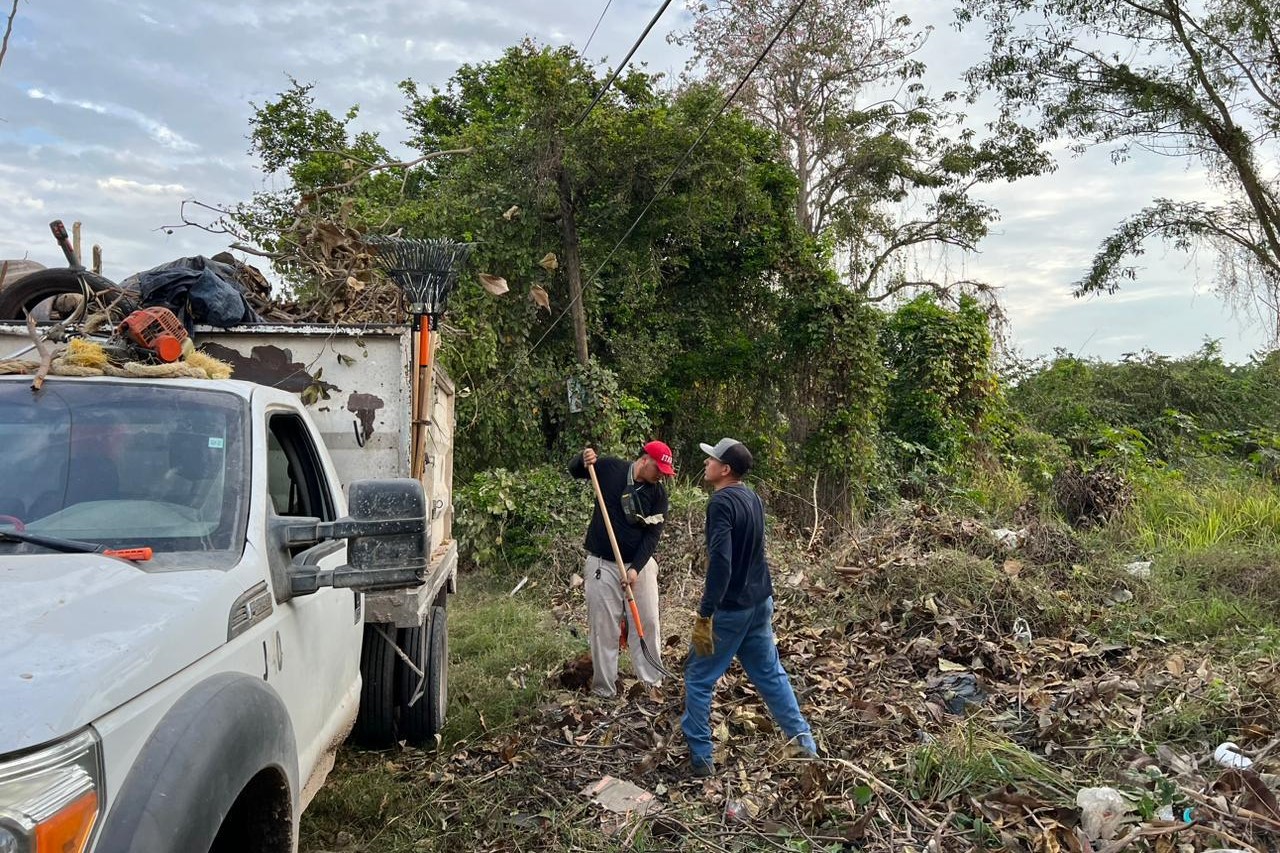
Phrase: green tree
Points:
(1182, 405)
(682, 322)
(941, 375)
(1193, 80)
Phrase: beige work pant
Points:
(605, 605)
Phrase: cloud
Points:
(124, 186)
(155, 129)
(117, 139)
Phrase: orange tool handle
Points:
(635, 612)
(617, 552)
(424, 342)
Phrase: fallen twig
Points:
(1145, 832)
(875, 780)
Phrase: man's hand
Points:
(632, 574)
(589, 457)
(704, 642)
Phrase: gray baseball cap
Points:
(731, 452)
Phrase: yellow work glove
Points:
(703, 640)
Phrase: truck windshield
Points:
(124, 465)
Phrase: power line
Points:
(667, 180)
(597, 26)
(625, 60)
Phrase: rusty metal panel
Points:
(357, 384)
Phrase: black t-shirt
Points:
(637, 532)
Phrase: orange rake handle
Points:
(622, 577)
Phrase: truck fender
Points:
(206, 749)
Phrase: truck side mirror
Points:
(388, 545)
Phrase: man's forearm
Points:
(713, 593)
(719, 558)
(648, 546)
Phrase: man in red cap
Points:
(637, 503)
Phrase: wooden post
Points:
(97, 259)
(75, 241)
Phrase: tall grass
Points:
(991, 492)
(500, 651)
(1176, 513)
(1214, 534)
(971, 757)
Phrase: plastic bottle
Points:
(1228, 755)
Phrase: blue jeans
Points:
(747, 635)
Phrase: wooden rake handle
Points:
(617, 552)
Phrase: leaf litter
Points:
(941, 724)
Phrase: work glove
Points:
(704, 643)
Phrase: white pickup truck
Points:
(194, 700)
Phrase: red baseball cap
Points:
(661, 454)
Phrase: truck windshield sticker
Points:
(216, 443)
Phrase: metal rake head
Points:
(426, 270)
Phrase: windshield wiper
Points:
(75, 546)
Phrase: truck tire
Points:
(428, 647)
(438, 677)
(376, 721)
(29, 291)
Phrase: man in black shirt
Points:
(637, 505)
(735, 616)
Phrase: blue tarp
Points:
(198, 290)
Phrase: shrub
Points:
(511, 521)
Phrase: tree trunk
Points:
(804, 214)
(572, 262)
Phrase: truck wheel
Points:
(428, 647)
(376, 722)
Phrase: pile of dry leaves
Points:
(966, 692)
(945, 721)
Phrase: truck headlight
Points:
(50, 799)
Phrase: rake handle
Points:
(421, 399)
(617, 552)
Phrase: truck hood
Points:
(80, 634)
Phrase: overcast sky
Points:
(114, 111)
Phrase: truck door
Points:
(313, 656)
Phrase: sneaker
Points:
(701, 769)
(801, 748)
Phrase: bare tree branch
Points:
(4, 45)
(406, 165)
